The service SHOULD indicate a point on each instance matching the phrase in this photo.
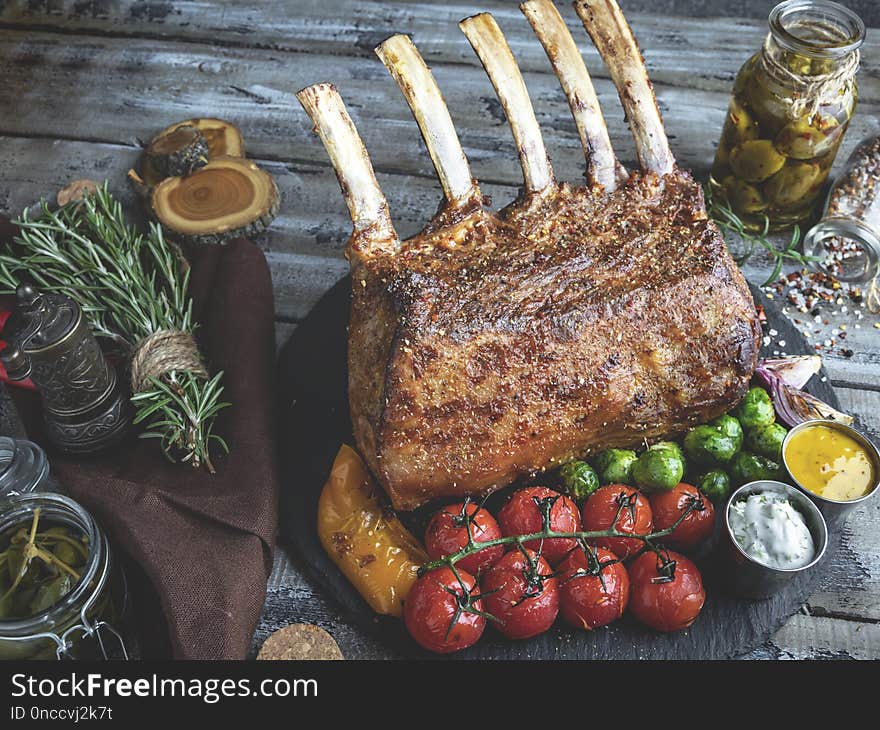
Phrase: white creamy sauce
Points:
(771, 531)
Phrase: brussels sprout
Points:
(755, 160)
(615, 466)
(730, 427)
(803, 141)
(755, 409)
(743, 197)
(746, 467)
(658, 469)
(708, 445)
(671, 445)
(794, 183)
(714, 484)
(767, 440)
(579, 478)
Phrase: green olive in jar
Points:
(741, 126)
(756, 160)
(804, 139)
(794, 183)
(742, 196)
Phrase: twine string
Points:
(162, 352)
(813, 89)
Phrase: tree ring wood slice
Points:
(314, 420)
(178, 152)
(224, 138)
(230, 197)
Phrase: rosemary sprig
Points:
(730, 223)
(129, 286)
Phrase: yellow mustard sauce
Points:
(830, 463)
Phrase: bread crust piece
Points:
(494, 347)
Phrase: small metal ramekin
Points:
(835, 511)
(747, 577)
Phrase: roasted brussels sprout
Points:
(615, 466)
(708, 445)
(729, 426)
(755, 409)
(579, 478)
(715, 484)
(745, 467)
(671, 445)
(767, 440)
(658, 469)
(755, 160)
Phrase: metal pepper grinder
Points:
(85, 404)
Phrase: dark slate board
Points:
(314, 421)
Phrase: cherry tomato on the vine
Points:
(593, 587)
(635, 517)
(443, 613)
(521, 593)
(447, 533)
(666, 590)
(522, 516)
(667, 507)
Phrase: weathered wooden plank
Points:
(704, 55)
(813, 637)
(127, 89)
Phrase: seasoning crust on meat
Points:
(491, 346)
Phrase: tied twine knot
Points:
(162, 352)
(813, 89)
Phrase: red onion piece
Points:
(793, 405)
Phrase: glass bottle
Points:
(23, 467)
(83, 624)
(846, 241)
(791, 104)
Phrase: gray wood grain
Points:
(82, 82)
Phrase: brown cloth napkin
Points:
(204, 541)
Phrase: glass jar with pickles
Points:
(62, 595)
(791, 104)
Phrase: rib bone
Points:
(420, 89)
(602, 166)
(490, 45)
(616, 44)
(367, 205)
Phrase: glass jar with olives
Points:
(791, 104)
(61, 592)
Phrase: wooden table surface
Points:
(82, 82)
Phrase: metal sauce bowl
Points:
(746, 576)
(835, 511)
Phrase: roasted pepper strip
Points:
(365, 538)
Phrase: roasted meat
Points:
(494, 345)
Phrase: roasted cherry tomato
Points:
(442, 613)
(635, 518)
(593, 587)
(666, 590)
(447, 533)
(667, 507)
(522, 515)
(521, 592)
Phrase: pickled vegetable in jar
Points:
(791, 104)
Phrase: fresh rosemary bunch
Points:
(129, 285)
(730, 223)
